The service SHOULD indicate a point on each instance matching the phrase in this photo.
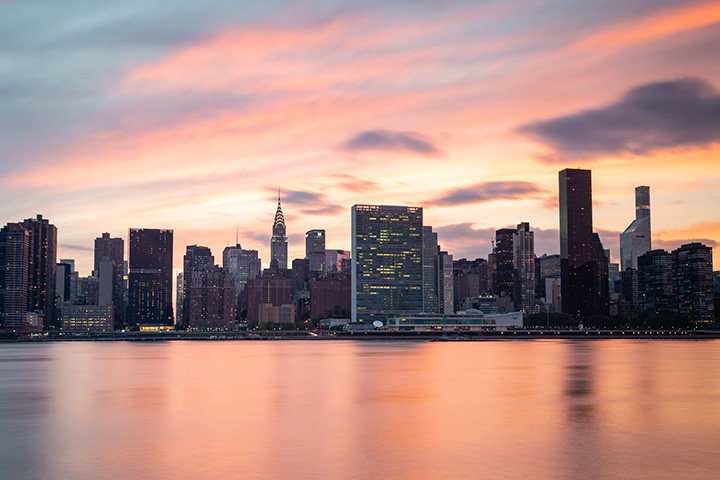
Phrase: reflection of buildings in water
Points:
(584, 457)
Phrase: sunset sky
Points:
(191, 114)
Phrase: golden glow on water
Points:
(313, 409)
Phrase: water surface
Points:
(360, 410)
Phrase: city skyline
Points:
(464, 111)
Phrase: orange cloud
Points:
(663, 24)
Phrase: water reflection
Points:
(356, 410)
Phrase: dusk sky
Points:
(191, 114)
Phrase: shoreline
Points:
(510, 335)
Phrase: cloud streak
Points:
(487, 192)
(651, 118)
(389, 141)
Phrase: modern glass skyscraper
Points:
(279, 240)
(655, 282)
(583, 263)
(636, 240)
(430, 270)
(387, 261)
(150, 277)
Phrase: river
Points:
(546, 409)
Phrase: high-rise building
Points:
(504, 263)
(242, 264)
(113, 249)
(211, 298)
(272, 288)
(337, 260)
(279, 240)
(179, 298)
(445, 284)
(387, 262)
(469, 282)
(330, 296)
(150, 277)
(63, 279)
(524, 267)
(430, 270)
(300, 275)
(655, 282)
(636, 239)
(582, 258)
(42, 264)
(14, 248)
(195, 256)
(315, 251)
(110, 248)
(693, 282)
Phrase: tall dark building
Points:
(211, 295)
(655, 282)
(110, 248)
(387, 262)
(279, 240)
(150, 277)
(315, 251)
(195, 256)
(430, 270)
(42, 265)
(113, 249)
(504, 262)
(524, 268)
(693, 282)
(583, 263)
(14, 246)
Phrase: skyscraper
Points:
(150, 277)
(279, 240)
(582, 259)
(110, 248)
(211, 298)
(430, 270)
(387, 261)
(504, 262)
(693, 282)
(42, 258)
(242, 264)
(636, 239)
(524, 267)
(315, 251)
(445, 284)
(113, 249)
(655, 282)
(195, 256)
(14, 246)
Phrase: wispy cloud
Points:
(390, 141)
(659, 116)
(487, 192)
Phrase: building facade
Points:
(636, 240)
(315, 252)
(693, 283)
(582, 258)
(387, 261)
(524, 268)
(42, 264)
(150, 277)
(279, 240)
(211, 302)
(655, 282)
(14, 248)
